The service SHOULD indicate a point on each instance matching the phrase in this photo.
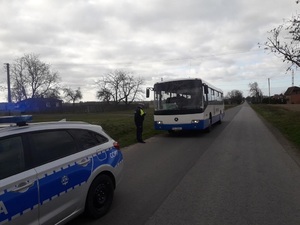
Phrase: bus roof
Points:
(190, 79)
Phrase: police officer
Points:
(139, 116)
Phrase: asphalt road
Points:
(237, 174)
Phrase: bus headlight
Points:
(159, 122)
(195, 121)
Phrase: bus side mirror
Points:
(147, 93)
(205, 89)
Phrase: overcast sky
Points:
(215, 40)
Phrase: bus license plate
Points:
(177, 128)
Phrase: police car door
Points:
(18, 185)
(62, 171)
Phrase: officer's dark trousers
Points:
(139, 132)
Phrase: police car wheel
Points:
(100, 197)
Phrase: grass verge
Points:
(287, 121)
(119, 125)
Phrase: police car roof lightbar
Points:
(19, 120)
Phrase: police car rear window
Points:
(87, 139)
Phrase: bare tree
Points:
(32, 78)
(255, 92)
(235, 96)
(72, 95)
(131, 88)
(104, 94)
(120, 86)
(285, 41)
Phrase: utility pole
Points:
(8, 83)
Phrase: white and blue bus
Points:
(187, 104)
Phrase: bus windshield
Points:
(178, 95)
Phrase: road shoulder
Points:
(287, 145)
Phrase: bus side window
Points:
(219, 96)
(213, 97)
(204, 98)
(209, 96)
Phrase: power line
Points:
(140, 61)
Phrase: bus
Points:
(186, 104)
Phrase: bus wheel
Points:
(208, 129)
(220, 118)
(171, 132)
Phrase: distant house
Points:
(278, 99)
(293, 95)
(38, 105)
(6, 107)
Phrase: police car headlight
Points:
(195, 121)
(159, 122)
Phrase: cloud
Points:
(84, 39)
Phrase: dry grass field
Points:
(290, 107)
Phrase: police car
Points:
(51, 172)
